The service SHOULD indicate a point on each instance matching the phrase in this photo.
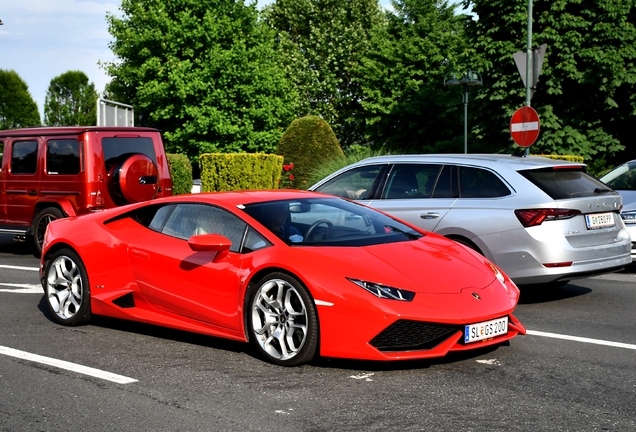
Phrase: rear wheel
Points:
(282, 320)
(42, 220)
(66, 288)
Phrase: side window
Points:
(1, 152)
(62, 157)
(254, 241)
(24, 157)
(445, 186)
(353, 184)
(480, 183)
(187, 220)
(411, 181)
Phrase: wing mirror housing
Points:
(210, 243)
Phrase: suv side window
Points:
(411, 181)
(24, 157)
(62, 156)
(480, 183)
(356, 183)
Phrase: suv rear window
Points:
(565, 183)
(113, 148)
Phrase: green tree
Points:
(205, 72)
(71, 101)
(585, 95)
(405, 103)
(322, 43)
(17, 107)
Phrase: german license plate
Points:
(485, 330)
(599, 220)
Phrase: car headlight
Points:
(384, 291)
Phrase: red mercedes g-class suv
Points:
(52, 172)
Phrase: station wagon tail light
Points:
(384, 291)
(535, 217)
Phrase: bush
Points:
(308, 142)
(239, 171)
(181, 173)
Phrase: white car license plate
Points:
(599, 220)
(485, 330)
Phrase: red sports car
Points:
(296, 273)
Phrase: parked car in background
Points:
(541, 220)
(623, 180)
(54, 172)
(298, 274)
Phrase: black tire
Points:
(42, 220)
(281, 304)
(466, 243)
(66, 288)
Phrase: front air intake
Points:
(404, 335)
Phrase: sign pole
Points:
(529, 78)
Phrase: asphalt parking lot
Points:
(574, 371)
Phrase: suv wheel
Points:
(42, 220)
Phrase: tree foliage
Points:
(71, 101)
(405, 103)
(585, 95)
(17, 107)
(323, 42)
(205, 72)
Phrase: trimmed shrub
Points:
(570, 158)
(181, 173)
(239, 171)
(308, 142)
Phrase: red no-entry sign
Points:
(524, 126)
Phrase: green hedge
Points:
(239, 171)
(181, 173)
(571, 158)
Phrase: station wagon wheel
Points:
(42, 220)
(282, 320)
(66, 288)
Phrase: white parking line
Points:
(61, 364)
(581, 339)
(19, 268)
(22, 288)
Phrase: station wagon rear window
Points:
(564, 183)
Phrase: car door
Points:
(421, 194)
(179, 280)
(3, 209)
(22, 181)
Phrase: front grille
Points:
(404, 335)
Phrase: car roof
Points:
(71, 130)
(488, 160)
(235, 198)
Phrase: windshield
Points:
(328, 222)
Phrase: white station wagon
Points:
(541, 220)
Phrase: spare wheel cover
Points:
(138, 178)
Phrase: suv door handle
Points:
(32, 192)
(429, 215)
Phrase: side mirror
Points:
(210, 243)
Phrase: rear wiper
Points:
(602, 190)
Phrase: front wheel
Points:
(42, 220)
(66, 288)
(282, 320)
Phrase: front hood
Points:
(432, 264)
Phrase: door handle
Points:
(140, 254)
(32, 192)
(429, 215)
